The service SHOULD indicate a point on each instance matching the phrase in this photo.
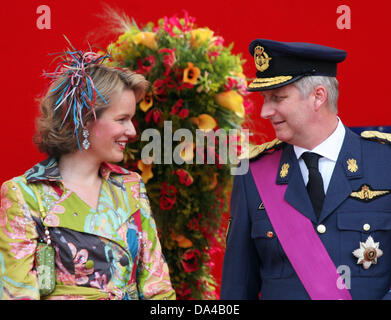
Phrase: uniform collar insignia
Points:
(286, 165)
(352, 165)
(350, 156)
(261, 206)
(366, 194)
(284, 170)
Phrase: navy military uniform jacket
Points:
(255, 263)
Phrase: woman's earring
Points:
(86, 143)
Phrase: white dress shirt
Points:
(329, 150)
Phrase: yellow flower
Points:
(146, 170)
(232, 101)
(147, 102)
(147, 39)
(200, 35)
(204, 122)
(191, 73)
(122, 47)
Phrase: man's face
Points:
(288, 112)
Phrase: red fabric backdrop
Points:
(364, 76)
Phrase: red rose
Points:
(168, 196)
(168, 190)
(166, 203)
(159, 90)
(193, 224)
(190, 260)
(177, 106)
(168, 59)
(183, 291)
(155, 115)
(184, 113)
(145, 65)
(184, 177)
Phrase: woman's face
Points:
(111, 132)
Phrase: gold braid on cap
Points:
(267, 82)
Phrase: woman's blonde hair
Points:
(56, 138)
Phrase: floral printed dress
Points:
(109, 253)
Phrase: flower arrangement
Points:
(196, 84)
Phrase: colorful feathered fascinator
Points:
(77, 93)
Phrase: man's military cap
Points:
(281, 63)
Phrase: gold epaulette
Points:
(256, 150)
(377, 136)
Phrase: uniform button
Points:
(321, 228)
(269, 234)
(366, 227)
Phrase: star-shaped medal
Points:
(368, 253)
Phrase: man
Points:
(312, 217)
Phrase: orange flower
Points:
(191, 74)
(147, 103)
(146, 170)
(182, 241)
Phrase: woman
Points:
(95, 215)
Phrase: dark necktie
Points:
(315, 181)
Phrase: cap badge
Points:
(352, 165)
(261, 58)
(284, 170)
(366, 194)
(368, 253)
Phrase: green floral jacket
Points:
(95, 251)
